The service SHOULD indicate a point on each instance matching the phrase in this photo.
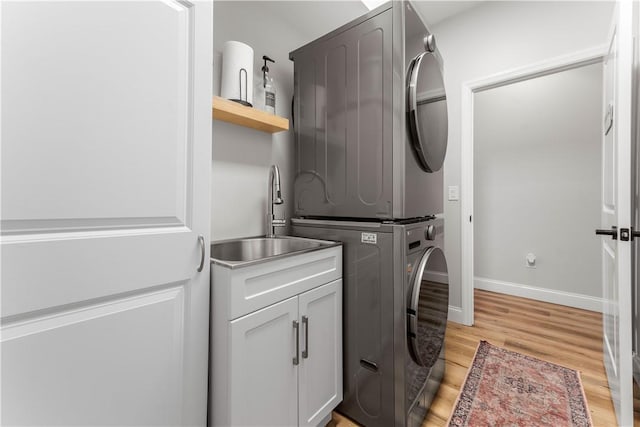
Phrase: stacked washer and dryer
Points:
(370, 123)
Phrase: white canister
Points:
(237, 72)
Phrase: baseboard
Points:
(455, 315)
(569, 299)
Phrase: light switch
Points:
(454, 192)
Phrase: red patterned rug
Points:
(505, 388)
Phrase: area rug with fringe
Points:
(505, 388)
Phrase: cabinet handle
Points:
(202, 250)
(296, 360)
(305, 323)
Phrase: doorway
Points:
(520, 163)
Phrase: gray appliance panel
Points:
(382, 385)
(353, 153)
(343, 130)
(368, 323)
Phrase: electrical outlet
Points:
(530, 260)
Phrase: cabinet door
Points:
(263, 389)
(320, 373)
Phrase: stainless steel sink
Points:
(248, 251)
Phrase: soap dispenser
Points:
(268, 90)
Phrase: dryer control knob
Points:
(430, 232)
(430, 43)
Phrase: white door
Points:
(616, 212)
(320, 377)
(265, 355)
(106, 142)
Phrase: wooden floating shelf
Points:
(232, 112)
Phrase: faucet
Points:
(274, 186)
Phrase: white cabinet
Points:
(279, 365)
(286, 367)
(320, 373)
(263, 384)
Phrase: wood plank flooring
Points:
(636, 405)
(558, 334)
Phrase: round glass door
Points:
(427, 108)
(428, 308)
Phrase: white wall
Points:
(242, 156)
(537, 179)
(494, 37)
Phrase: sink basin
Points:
(252, 250)
(262, 247)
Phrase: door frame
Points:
(538, 69)
(635, 218)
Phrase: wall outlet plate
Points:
(454, 192)
(530, 260)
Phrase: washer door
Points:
(427, 109)
(428, 307)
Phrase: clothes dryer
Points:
(370, 119)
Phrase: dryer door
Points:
(427, 108)
(428, 307)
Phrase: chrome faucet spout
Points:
(275, 182)
(275, 198)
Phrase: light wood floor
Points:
(558, 334)
(636, 405)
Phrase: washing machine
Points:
(395, 306)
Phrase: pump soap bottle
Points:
(268, 90)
